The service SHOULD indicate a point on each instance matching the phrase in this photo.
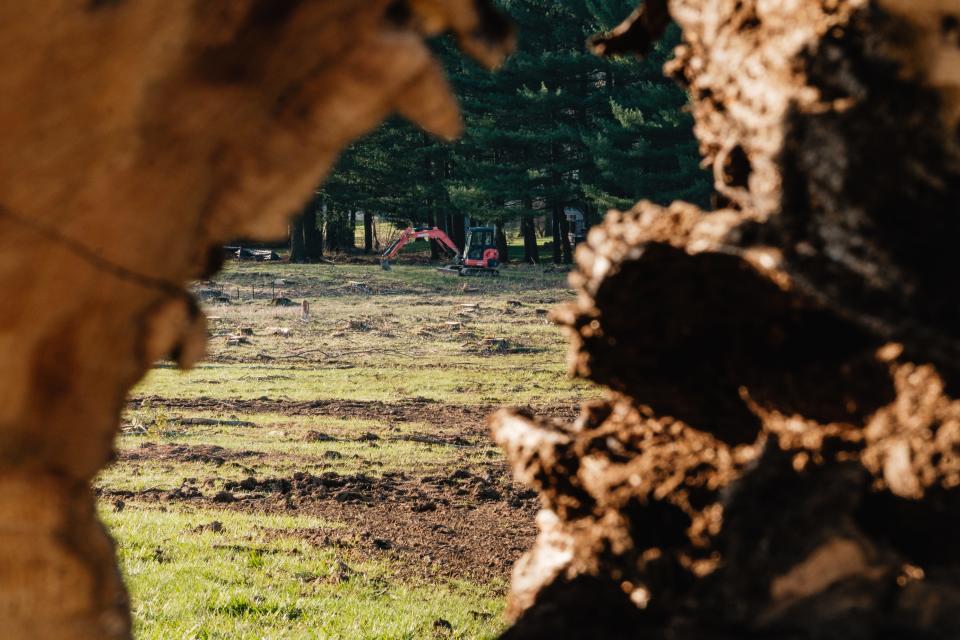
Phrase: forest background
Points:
(557, 130)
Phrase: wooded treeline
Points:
(557, 127)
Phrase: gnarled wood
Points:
(137, 137)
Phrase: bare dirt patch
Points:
(468, 523)
(204, 453)
(471, 418)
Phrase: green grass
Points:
(522, 380)
(372, 335)
(281, 441)
(401, 279)
(375, 335)
(253, 582)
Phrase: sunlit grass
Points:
(402, 278)
(525, 380)
(371, 336)
(386, 336)
(252, 582)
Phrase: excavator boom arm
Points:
(409, 234)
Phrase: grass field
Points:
(331, 476)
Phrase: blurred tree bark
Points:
(165, 129)
(772, 459)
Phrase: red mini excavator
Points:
(479, 258)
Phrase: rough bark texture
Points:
(779, 453)
(312, 232)
(502, 247)
(528, 229)
(137, 137)
(458, 230)
(556, 214)
(298, 245)
(367, 232)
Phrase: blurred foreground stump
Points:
(137, 138)
(779, 452)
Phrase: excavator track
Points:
(479, 273)
(450, 268)
(469, 272)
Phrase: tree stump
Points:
(138, 138)
(778, 455)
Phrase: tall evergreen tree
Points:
(557, 127)
(306, 235)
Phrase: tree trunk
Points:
(800, 348)
(312, 234)
(591, 217)
(443, 223)
(367, 232)
(557, 213)
(334, 230)
(565, 245)
(94, 298)
(352, 230)
(502, 246)
(531, 251)
(435, 253)
(459, 231)
(297, 246)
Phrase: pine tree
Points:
(639, 138)
(306, 236)
(556, 127)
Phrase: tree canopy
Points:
(557, 127)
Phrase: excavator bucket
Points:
(385, 265)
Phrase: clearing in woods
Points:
(332, 476)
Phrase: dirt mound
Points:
(803, 469)
(470, 523)
(778, 453)
(205, 453)
(461, 485)
(464, 524)
(496, 346)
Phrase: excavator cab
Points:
(481, 250)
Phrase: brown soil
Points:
(465, 523)
(205, 453)
(471, 523)
(471, 419)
